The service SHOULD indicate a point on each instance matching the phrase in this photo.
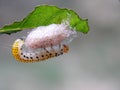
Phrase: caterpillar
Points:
(25, 54)
(43, 42)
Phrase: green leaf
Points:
(44, 15)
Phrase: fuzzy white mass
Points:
(45, 36)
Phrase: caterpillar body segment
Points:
(26, 55)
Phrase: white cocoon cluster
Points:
(46, 36)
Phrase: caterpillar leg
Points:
(65, 48)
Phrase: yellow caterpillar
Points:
(26, 55)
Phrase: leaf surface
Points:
(44, 15)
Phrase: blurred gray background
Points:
(93, 62)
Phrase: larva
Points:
(23, 54)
